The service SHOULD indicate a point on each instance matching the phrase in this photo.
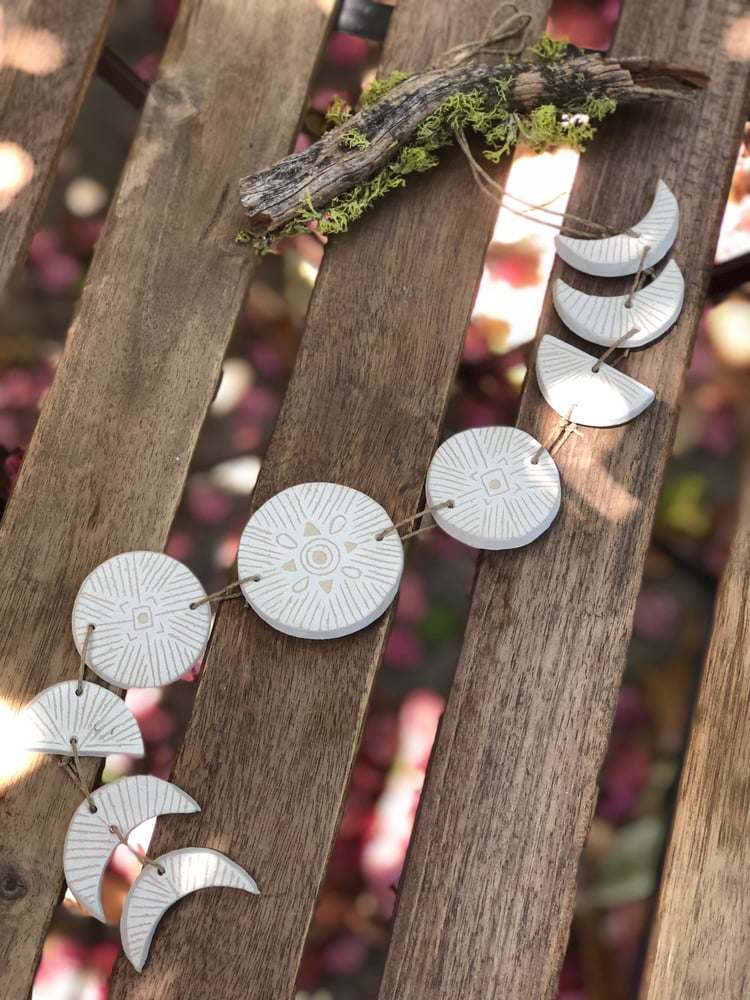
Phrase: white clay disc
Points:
(502, 498)
(323, 573)
(604, 398)
(145, 633)
(605, 319)
(621, 254)
(150, 896)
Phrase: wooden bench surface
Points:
(485, 902)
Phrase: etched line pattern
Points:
(125, 804)
(502, 499)
(657, 230)
(600, 399)
(99, 720)
(322, 572)
(145, 631)
(605, 319)
(151, 895)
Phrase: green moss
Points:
(378, 88)
(550, 49)
(354, 139)
(338, 112)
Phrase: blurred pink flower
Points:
(404, 649)
(206, 504)
(180, 545)
(345, 50)
(657, 614)
(345, 955)
(58, 273)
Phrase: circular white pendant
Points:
(322, 571)
(505, 493)
(145, 632)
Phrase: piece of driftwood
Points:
(318, 175)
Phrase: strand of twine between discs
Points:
(143, 858)
(82, 664)
(410, 520)
(565, 427)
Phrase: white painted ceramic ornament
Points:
(145, 632)
(100, 722)
(618, 255)
(90, 840)
(322, 571)
(505, 491)
(602, 398)
(606, 319)
(152, 893)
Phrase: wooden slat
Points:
(43, 78)
(108, 461)
(485, 902)
(699, 939)
(277, 720)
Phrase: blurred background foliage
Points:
(620, 864)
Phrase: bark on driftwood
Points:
(327, 169)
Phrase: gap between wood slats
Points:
(107, 463)
(485, 902)
(698, 945)
(277, 721)
(43, 78)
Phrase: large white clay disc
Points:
(622, 254)
(323, 573)
(145, 632)
(606, 319)
(502, 498)
(604, 398)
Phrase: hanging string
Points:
(410, 520)
(613, 347)
(637, 280)
(565, 427)
(494, 34)
(82, 663)
(76, 774)
(488, 186)
(228, 593)
(143, 858)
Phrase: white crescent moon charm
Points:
(322, 571)
(603, 398)
(145, 632)
(615, 256)
(151, 895)
(89, 842)
(100, 722)
(605, 319)
(504, 486)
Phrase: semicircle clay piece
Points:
(504, 487)
(614, 256)
(150, 896)
(603, 398)
(325, 565)
(100, 722)
(145, 632)
(606, 319)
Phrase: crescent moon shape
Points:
(151, 895)
(604, 319)
(604, 398)
(99, 720)
(89, 842)
(614, 256)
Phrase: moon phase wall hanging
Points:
(321, 561)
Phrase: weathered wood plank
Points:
(698, 943)
(277, 720)
(48, 51)
(485, 902)
(107, 464)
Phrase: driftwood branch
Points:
(326, 170)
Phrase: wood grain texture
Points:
(484, 905)
(48, 51)
(108, 461)
(698, 945)
(364, 408)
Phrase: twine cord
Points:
(226, 593)
(143, 858)
(74, 772)
(82, 665)
(512, 24)
(565, 427)
(637, 280)
(613, 347)
(410, 520)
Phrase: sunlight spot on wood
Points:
(16, 170)
(14, 762)
(737, 39)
